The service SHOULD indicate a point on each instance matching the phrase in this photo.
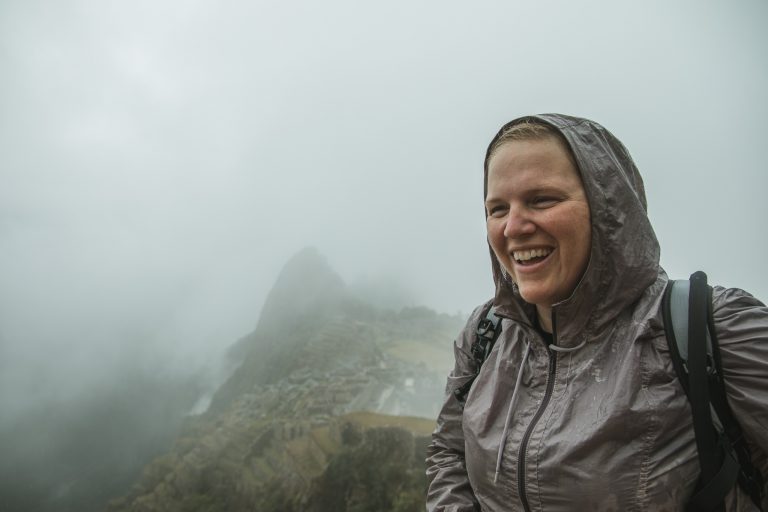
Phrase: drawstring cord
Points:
(568, 349)
(509, 412)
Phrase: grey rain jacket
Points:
(603, 423)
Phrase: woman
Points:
(578, 406)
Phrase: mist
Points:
(160, 161)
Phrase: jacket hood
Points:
(624, 257)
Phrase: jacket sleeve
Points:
(449, 489)
(741, 324)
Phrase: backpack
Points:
(724, 457)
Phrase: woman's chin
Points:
(533, 296)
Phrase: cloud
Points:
(160, 161)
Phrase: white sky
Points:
(160, 160)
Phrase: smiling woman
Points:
(538, 218)
(578, 406)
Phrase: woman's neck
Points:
(545, 317)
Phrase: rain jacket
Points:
(601, 423)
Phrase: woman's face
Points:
(538, 218)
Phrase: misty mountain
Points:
(322, 414)
(325, 381)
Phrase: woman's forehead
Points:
(534, 158)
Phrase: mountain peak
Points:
(307, 282)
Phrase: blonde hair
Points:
(528, 129)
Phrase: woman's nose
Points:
(518, 224)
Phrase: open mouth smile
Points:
(532, 256)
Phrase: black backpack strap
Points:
(486, 334)
(698, 382)
(723, 453)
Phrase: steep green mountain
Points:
(330, 409)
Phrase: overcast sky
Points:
(161, 160)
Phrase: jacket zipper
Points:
(539, 412)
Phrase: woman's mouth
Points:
(531, 256)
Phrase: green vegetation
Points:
(365, 419)
(381, 472)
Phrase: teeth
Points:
(527, 255)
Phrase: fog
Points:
(161, 160)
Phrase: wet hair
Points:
(528, 128)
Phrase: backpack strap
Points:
(723, 453)
(486, 334)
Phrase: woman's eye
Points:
(496, 211)
(544, 201)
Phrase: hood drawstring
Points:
(509, 411)
(568, 349)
